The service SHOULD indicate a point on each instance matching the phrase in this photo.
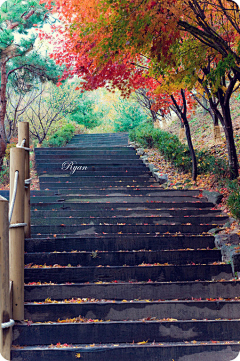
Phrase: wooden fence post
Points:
(23, 133)
(5, 305)
(16, 231)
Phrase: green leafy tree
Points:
(18, 57)
(129, 115)
(87, 112)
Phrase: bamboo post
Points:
(16, 232)
(23, 133)
(5, 305)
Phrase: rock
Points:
(133, 144)
(161, 178)
(221, 240)
(229, 244)
(236, 260)
(213, 197)
(234, 238)
(226, 253)
(151, 167)
(145, 159)
(215, 230)
(140, 151)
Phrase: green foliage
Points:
(167, 144)
(4, 174)
(128, 115)
(233, 201)
(86, 113)
(177, 153)
(214, 78)
(61, 137)
(6, 38)
(143, 134)
(207, 163)
(18, 20)
(13, 9)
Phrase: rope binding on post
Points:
(22, 145)
(8, 324)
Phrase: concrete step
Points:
(131, 310)
(143, 273)
(128, 198)
(148, 213)
(120, 258)
(95, 179)
(129, 219)
(118, 242)
(94, 160)
(102, 167)
(123, 206)
(126, 331)
(88, 151)
(121, 229)
(157, 191)
(190, 351)
(77, 183)
(182, 290)
(82, 172)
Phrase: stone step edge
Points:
(82, 347)
(132, 302)
(123, 235)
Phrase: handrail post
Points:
(5, 306)
(16, 232)
(23, 133)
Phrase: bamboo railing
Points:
(14, 227)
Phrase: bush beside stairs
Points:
(119, 268)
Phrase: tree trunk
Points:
(228, 129)
(191, 149)
(215, 120)
(184, 122)
(3, 106)
(205, 104)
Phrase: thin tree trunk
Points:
(226, 120)
(232, 153)
(205, 104)
(191, 149)
(185, 123)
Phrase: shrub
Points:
(60, 137)
(233, 201)
(167, 144)
(176, 152)
(4, 174)
(208, 163)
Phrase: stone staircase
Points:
(119, 268)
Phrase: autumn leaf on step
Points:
(78, 355)
(142, 342)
